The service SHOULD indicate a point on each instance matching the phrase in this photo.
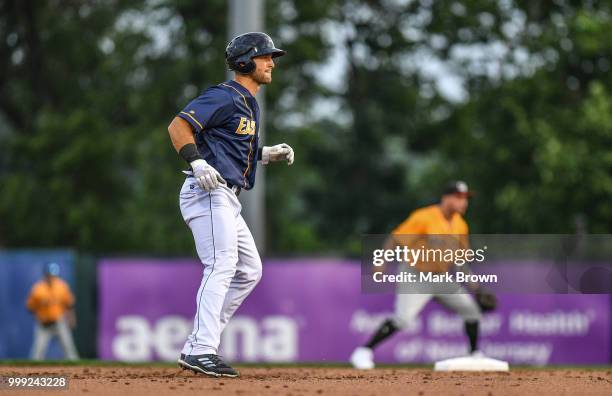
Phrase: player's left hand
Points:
(279, 152)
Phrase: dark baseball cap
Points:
(458, 187)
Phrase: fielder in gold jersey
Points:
(439, 226)
(52, 304)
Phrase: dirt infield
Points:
(293, 381)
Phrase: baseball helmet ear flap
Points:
(244, 64)
(239, 58)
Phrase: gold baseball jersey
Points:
(427, 228)
(49, 301)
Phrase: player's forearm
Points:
(31, 304)
(180, 133)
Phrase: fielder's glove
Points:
(280, 152)
(486, 300)
(208, 178)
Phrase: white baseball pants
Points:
(232, 267)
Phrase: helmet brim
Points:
(275, 52)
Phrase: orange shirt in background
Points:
(49, 301)
(417, 230)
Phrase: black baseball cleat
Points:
(209, 364)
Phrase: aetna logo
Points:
(272, 339)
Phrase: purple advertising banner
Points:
(313, 310)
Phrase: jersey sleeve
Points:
(32, 302)
(212, 108)
(409, 232)
(413, 225)
(67, 297)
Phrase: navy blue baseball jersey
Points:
(225, 120)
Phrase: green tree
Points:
(87, 91)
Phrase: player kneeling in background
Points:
(439, 226)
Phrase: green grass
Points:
(83, 362)
(107, 363)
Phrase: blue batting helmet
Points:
(241, 50)
(52, 269)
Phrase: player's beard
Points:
(261, 77)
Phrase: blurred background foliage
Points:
(384, 102)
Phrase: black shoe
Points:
(207, 364)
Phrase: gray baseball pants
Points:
(411, 300)
(43, 335)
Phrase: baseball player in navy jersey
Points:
(217, 134)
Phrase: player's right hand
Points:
(208, 178)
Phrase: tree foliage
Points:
(383, 101)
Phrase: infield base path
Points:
(295, 381)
